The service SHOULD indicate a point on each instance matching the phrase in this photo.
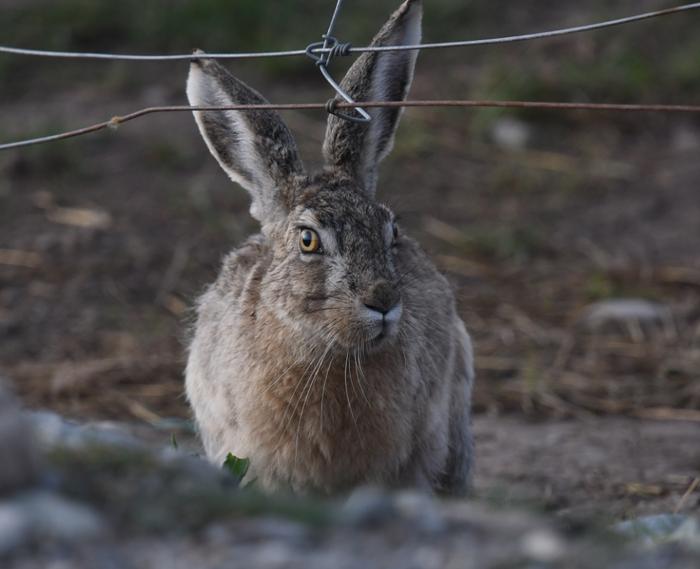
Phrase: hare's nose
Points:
(382, 297)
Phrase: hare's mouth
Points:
(381, 325)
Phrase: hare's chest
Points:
(335, 432)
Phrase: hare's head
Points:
(333, 275)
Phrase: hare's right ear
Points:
(254, 148)
(357, 148)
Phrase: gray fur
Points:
(292, 363)
(255, 148)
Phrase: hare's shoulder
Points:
(420, 275)
(237, 267)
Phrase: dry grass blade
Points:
(681, 503)
(17, 258)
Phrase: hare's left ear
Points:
(357, 148)
(254, 147)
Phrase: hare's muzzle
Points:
(381, 309)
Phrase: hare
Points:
(329, 350)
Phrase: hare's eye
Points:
(309, 241)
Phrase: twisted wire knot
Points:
(332, 106)
(339, 49)
(334, 47)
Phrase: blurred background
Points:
(571, 237)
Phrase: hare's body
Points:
(398, 416)
(329, 351)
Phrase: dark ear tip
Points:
(411, 3)
(196, 60)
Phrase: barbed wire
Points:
(116, 121)
(353, 50)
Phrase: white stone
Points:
(511, 133)
(543, 546)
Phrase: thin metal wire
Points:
(334, 18)
(118, 120)
(131, 57)
(322, 62)
(321, 50)
(537, 35)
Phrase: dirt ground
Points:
(106, 240)
(605, 467)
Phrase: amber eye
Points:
(309, 241)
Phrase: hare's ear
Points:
(357, 148)
(254, 147)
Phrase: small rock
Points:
(625, 310)
(688, 533)
(274, 554)
(49, 428)
(15, 528)
(367, 506)
(686, 139)
(421, 509)
(651, 530)
(511, 133)
(41, 517)
(53, 430)
(55, 518)
(109, 433)
(18, 461)
(543, 546)
(216, 534)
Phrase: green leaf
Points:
(237, 467)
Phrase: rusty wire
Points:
(116, 121)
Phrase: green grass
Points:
(601, 285)
(503, 243)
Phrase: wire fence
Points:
(116, 121)
(356, 50)
(322, 52)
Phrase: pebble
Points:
(626, 310)
(511, 133)
(367, 506)
(688, 534)
(17, 453)
(53, 430)
(55, 518)
(44, 517)
(14, 528)
(543, 546)
(651, 530)
(421, 510)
